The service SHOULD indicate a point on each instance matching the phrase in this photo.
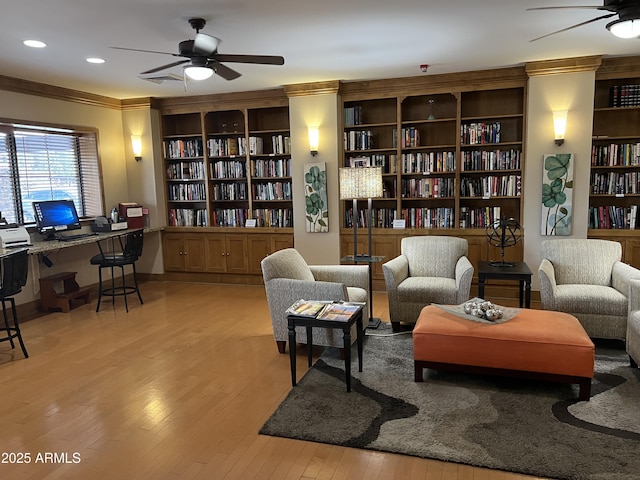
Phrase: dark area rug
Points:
(531, 427)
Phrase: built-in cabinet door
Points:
(194, 253)
(173, 252)
(237, 261)
(259, 246)
(216, 253)
(280, 242)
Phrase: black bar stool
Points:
(130, 249)
(14, 276)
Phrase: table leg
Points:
(480, 286)
(520, 293)
(309, 345)
(360, 341)
(292, 352)
(346, 342)
(527, 293)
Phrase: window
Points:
(45, 163)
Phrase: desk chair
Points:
(14, 277)
(119, 251)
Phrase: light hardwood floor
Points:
(175, 389)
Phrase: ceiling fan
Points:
(203, 59)
(626, 26)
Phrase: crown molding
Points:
(563, 66)
(329, 87)
(28, 87)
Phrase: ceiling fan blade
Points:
(146, 51)
(224, 71)
(574, 26)
(205, 45)
(169, 65)
(260, 59)
(590, 7)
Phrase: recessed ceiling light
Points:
(95, 60)
(34, 43)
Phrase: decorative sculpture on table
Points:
(504, 232)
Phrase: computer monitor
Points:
(55, 216)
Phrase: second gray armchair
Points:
(429, 269)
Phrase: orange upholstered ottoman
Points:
(533, 344)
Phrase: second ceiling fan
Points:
(201, 57)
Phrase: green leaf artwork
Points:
(315, 197)
(557, 194)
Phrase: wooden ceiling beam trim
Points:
(563, 66)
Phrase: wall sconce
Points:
(136, 145)
(559, 125)
(314, 140)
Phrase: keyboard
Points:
(68, 238)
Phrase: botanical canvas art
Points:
(557, 194)
(315, 197)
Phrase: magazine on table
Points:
(325, 309)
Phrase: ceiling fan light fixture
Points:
(198, 73)
(628, 28)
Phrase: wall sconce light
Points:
(136, 145)
(314, 140)
(559, 125)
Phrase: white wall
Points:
(320, 110)
(573, 92)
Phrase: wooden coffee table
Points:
(310, 322)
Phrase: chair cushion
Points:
(357, 294)
(427, 290)
(593, 299)
(434, 255)
(286, 263)
(581, 261)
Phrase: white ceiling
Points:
(320, 40)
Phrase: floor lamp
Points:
(360, 183)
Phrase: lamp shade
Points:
(360, 182)
(198, 73)
(627, 28)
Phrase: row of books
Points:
(613, 217)
(380, 218)
(187, 217)
(229, 217)
(183, 148)
(409, 137)
(227, 169)
(615, 183)
(624, 96)
(478, 217)
(440, 217)
(273, 217)
(615, 154)
(187, 191)
(273, 167)
(491, 160)
(225, 147)
(388, 163)
(229, 191)
(431, 187)
(325, 309)
(420, 162)
(353, 116)
(480, 132)
(271, 191)
(491, 186)
(186, 171)
(358, 140)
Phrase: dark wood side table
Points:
(519, 271)
(369, 260)
(310, 322)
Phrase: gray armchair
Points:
(587, 279)
(288, 278)
(633, 323)
(429, 269)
